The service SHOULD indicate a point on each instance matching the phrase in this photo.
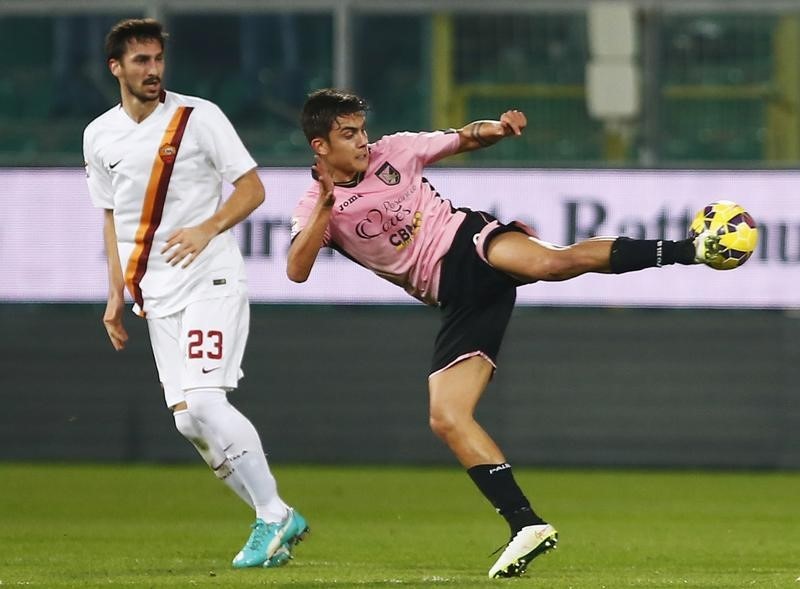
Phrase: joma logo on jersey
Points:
(349, 201)
(167, 153)
(405, 235)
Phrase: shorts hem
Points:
(463, 357)
(173, 396)
(492, 230)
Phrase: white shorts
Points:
(201, 346)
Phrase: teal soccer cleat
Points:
(282, 555)
(296, 530)
(264, 541)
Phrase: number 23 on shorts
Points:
(205, 345)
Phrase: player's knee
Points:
(186, 425)
(444, 424)
(190, 429)
(438, 426)
(203, 403)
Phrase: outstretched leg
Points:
(529, 259)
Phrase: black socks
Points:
(628, 254)
(496, 482)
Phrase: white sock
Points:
(212, 453)
(241, 444)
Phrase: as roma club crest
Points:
(388, 174)
(167, 153)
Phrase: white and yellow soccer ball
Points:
(728, 235)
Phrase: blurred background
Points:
(675, 85)
(719, 84)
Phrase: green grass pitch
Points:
(176, 526)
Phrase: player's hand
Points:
(112, 320)
(185, 244)
(513, 122)
(325, 179)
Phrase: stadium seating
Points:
(715, 72)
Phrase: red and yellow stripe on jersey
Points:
(155, 196)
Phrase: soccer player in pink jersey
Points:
(370, 202)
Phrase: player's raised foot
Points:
(527, 544)
(706, 247)
(296, 530)
(264, 541)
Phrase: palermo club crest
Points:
(388, 174)
(167, 153)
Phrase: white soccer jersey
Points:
(158, 176)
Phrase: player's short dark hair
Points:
(323, 107)
(140, 29)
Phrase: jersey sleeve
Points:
(302, 212)
(223, 144)
(98, 178)
(429, 146)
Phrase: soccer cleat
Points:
(264, 541)
(282, 555)
(296, 530)
(706, 247)
(527, 544)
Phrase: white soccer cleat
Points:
(527, 544)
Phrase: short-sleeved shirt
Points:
(390, 219)
(158, 176)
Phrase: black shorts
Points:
(475, 299)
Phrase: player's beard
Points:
(140, 95)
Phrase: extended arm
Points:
(485, 133)
(306, 245)
(187, 243)
(115, 305)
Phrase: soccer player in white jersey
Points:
(371, 202)
(155, 163)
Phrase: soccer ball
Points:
(731, 234)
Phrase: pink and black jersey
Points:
(390, 219)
